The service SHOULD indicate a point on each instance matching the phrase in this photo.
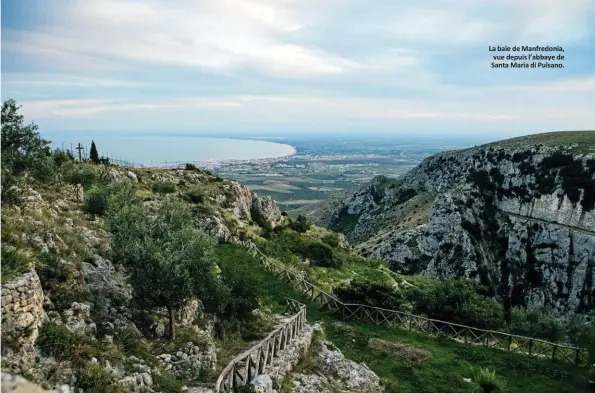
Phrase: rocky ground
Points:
(77, 288)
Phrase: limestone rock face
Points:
(22, 315)
(519, 218)
(264, 209)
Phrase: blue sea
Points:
(164, 150)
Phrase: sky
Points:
(270, 67)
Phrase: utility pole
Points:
(79, 148)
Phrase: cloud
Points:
(318, 64)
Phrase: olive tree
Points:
(168, 260)
(23, 149)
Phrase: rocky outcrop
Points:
(22, 315)
(17, 384)
(76, 319)
(265, 210)
(338, 373)
(190, 360)
(519, 218)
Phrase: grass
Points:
(450, 362)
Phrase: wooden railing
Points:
(461, 333)
(242, 369)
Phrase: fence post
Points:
(509, 342)
(554, 352)
(410, 323)
(530, 346)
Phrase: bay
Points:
(164, 150)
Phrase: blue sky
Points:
(275, 66)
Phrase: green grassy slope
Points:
(450, 361)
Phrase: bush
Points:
(319, 254)
(164, 382)
(163, 187)
(460, 301)
(195, 195)
(536, 323)
(61, 344)
(96, 201)
(94, 378)
(371, 294)
(50, 270)
(61, 157)
(190, 167)
(79, 173)
(300, 225)
(15, 263)
(332, 239)
(487, 380)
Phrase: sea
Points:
(168, 150)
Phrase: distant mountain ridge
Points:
(517, 215)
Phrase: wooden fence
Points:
(242, 369)
(461, 333)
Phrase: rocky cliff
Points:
(517, 215)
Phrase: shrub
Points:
(50, 270)
(96, 201)
(79, 173)
(15, 262)
(537, 323)
(165, 383)
(62, 344)
(94, 378)
(319, 254)
(487, 380)
(190, 167)
(61, 157)
(460, 301)
(300, 225)
(332, 239)
(369, 293)
(195, 195)
(163, 187)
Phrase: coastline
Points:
(166, 151)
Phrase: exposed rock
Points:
(190, 360)
(77, 319)
(132, 176)
(265, 210)
(187, 314)
(17, 384)
(263, 384)
(519, 218)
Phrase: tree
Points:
(300, 225)
(93, 154)
(169, 261)
(23, 149)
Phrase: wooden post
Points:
(509, 342)
(554, 352)
(530, 346)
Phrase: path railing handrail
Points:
(251, 363)
(462, 333)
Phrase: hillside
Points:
(516, 215)
(138, 280)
